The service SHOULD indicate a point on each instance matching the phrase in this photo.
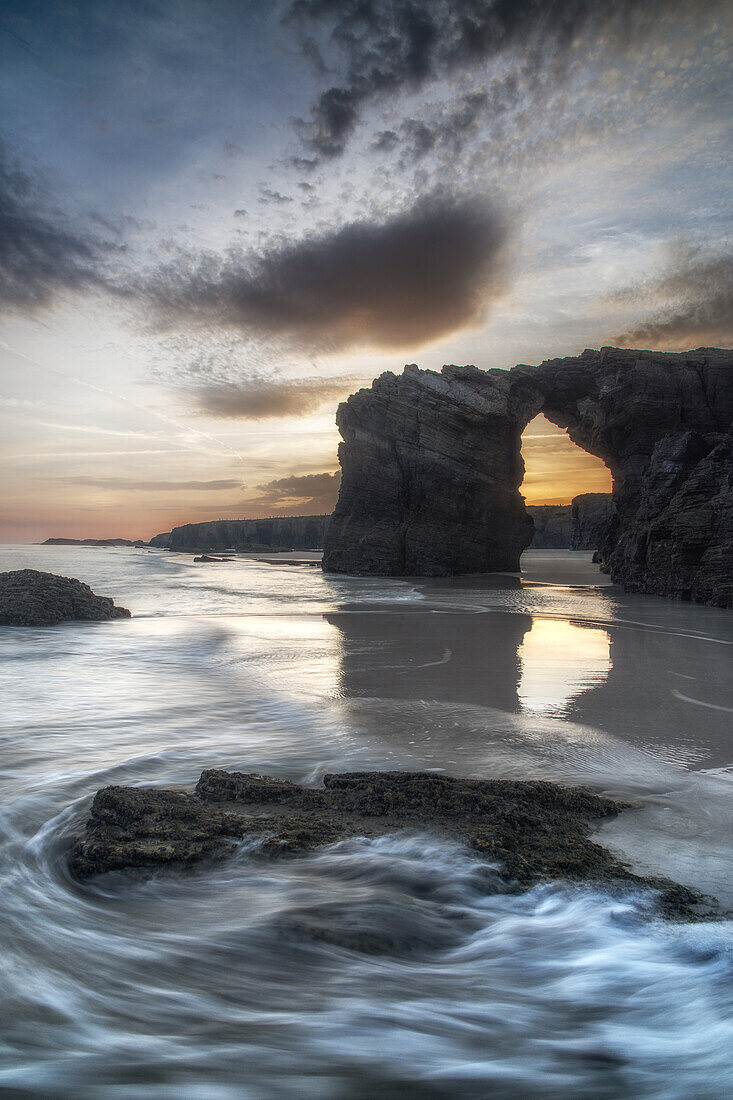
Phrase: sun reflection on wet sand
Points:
(558, 661)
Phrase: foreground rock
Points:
(535, 830)
(29, 597)
(431, 467)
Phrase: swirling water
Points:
(392, 967)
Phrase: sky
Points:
(219, 218)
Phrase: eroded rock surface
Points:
(535, 830)
(430, 472)
(431, 467)
(29, 597)
(591, 517)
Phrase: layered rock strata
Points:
(591, 519)
(29, 597)
(431, 467)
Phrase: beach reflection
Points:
(559, 661)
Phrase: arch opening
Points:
(556, 469)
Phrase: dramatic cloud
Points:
(307, 494)
(261, 398)
(40, 255)
(149, 486)
(395, 283)
(390, 45)
(692, 301)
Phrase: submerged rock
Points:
(29, 597)
(536, 831)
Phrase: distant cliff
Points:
(592, 517)
(94, 542)
(553, 526)
(279, 533)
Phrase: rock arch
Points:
(431, 467)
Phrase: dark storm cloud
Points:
(319, 490)
(148, 486)
(40, 253)
(389, 45)
(692, 301)
(404, 281)
(262, 398)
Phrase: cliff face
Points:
(431, 467)
(580, 525)
(553, 526)
(430, 475)
(591, 518)
(279, 533)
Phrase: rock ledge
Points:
(536, 831)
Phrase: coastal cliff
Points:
(275, 533)
(431, 467)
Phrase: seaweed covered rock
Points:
(534, 830)
(29, 597)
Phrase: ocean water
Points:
(372, 968)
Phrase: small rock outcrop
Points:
(431, 467)
(29, 597)
(535, 830)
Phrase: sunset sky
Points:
(219, 218)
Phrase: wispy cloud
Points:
(388, 46)
(142, 485)
(689, 303)
(304, 494)
(261, 398)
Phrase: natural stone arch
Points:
(432, 465)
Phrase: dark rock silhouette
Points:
(31, 598)
(162, 541)
(591, 516)
(94, 542)
(553, 526)
(275, 533)
(431, 467)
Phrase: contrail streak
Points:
(170, 420)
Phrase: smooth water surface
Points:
(391, 967)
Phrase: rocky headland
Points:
(536, 831)
(253, 535)
(431, 468)
(94, 542)
(29, 597)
